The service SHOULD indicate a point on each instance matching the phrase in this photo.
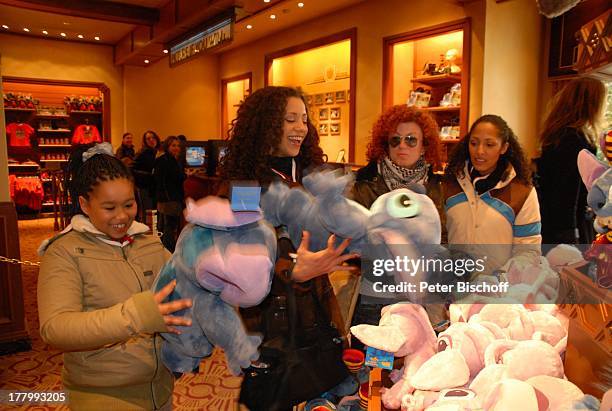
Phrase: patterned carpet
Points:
(213, 388)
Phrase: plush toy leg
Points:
(223, 328)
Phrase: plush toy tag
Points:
(379, 358)
(244, 196)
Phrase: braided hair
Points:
(83, 176)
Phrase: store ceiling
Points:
(139, 30)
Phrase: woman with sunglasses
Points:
(403, 151)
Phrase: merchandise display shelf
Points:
(450, 140)
(19, 109)
(438, 108)
(51, 130)
(438, 79)
(85, 112)
(41, 115)
(54, 161)
(55, 145)
(23, 165)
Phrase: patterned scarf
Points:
(400, 177)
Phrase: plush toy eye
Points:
(403, 206)
(444, 343)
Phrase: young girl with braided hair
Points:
(94, 301)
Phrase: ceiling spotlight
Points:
(249, 27)
(165, 51)
(45, 32)
(300, 4)
(63, 34)
(273, 16)
(80, 36)
(266, 1)
(97, 38)
(146, 61)
(4, 26)
(27, 30)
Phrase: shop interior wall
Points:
(306, 69)
(374, 19)
(61, 60)
(4, 188)
(174, 100)
(512, 67)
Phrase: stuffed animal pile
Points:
(493, 356)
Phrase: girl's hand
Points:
(168, 308)
(310, 265)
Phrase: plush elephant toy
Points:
(222, 259)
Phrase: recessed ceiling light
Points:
(146, 61)
(266, 1)
(165, 51)
(300, 4)
(63, 34)
(27, 30)
(4, 26)
(97, 38)
(45, 32)
(66, 23)
(249, 27)
(80, 36)
(273, 16)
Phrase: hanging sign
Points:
(208, 38)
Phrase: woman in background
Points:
(142, 168)
(126, 151)
(169, 176)
(571, 125)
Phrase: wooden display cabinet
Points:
(415, 61)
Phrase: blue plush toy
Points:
(222, 259)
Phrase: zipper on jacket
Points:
(130, 265)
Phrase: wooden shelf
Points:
(30, 110)
(54, 161)
(57, 130)
(85, 112)
(39, 115)
(55, 145)
(23, 165)
(438, 79)
(439, 109)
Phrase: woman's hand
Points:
(169, 308)
(310, 265)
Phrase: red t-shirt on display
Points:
(85, 134)
(19, 134)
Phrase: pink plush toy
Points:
(405, 330)
(461, 352)
(518, 360)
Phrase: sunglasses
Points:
(410, 140)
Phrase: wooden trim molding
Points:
(224, 114)
(350, 34)
(12, 315)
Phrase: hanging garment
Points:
(19, 134)
(85, 134)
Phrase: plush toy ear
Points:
(590, 168)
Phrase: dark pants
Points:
(168, 225)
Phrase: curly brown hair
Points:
(514, 155)
(258, 129)
(378, 147)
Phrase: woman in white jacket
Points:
(489, 198)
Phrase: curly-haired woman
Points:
(273, 139)
(403, 150)
(488, 193)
